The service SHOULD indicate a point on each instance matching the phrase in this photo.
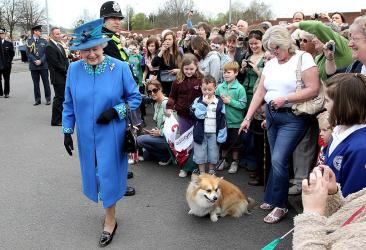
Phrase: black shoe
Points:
(106, 237)
(37, 103)
(130, 191)
(6, 96)
(48, 103)
(129, 175)
(56, 124)
(255, 183)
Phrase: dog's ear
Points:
(222, 177)
(195, 179)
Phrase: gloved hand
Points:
(69, 145)
(107, 116)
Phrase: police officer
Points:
(111, 12)
(6, 58)
(112, 15)
(36, 47)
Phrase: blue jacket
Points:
(87, 95)
(348, 162)
(198, 110)
(36, 51)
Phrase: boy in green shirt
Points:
(233, 95)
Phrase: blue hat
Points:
(89, 35)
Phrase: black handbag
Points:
(130, 144)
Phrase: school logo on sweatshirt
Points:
(337, 162)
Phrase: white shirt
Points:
(338, 136)
(280, 79)
(210, 118)
(363, 70)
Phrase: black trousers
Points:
(5, 73)
(36, 75)
(58, 100)
(23, 55)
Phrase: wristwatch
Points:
(248, 119)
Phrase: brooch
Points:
(111, 66)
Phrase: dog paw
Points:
(213, 217)
(190, 212)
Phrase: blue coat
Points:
(87, 95)
(36, 51)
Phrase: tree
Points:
(257, 11)
(84, 18)
(173, 12)
(10, 14)
(30, 14)
(140, 22)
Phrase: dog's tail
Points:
(251, 203)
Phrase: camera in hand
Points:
(331, 47)
(248, 63)
(316, 15)
(241, 38)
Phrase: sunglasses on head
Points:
(303, 40)
(149, 92)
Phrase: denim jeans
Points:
(285, 130)
(155, 147)
(207, 151)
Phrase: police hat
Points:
(2, 31)
(111, 9)
(37, 27)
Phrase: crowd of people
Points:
(242, 88)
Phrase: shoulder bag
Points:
(309, 107)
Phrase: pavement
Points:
(42, 206)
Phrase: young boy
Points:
(135, 60)
(325, 135)
(233, 95)
(210, 126)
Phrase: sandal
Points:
(266, 206)
(276, 215)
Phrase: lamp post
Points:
(229, 11)
(48, 24)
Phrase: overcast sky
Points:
(65, 12)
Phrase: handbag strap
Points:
(128, 116)
(299, 83)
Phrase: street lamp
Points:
(48, 24)
(229, 11)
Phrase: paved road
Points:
(42, 207)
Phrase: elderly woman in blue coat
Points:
(97, 91)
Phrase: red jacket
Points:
(183, 94)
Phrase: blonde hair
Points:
(233, 65)
(278, 35)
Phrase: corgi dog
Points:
(208, 194)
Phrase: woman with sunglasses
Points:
(153, 141)
(323, 35)
(277, 87)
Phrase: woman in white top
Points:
(277, 88)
